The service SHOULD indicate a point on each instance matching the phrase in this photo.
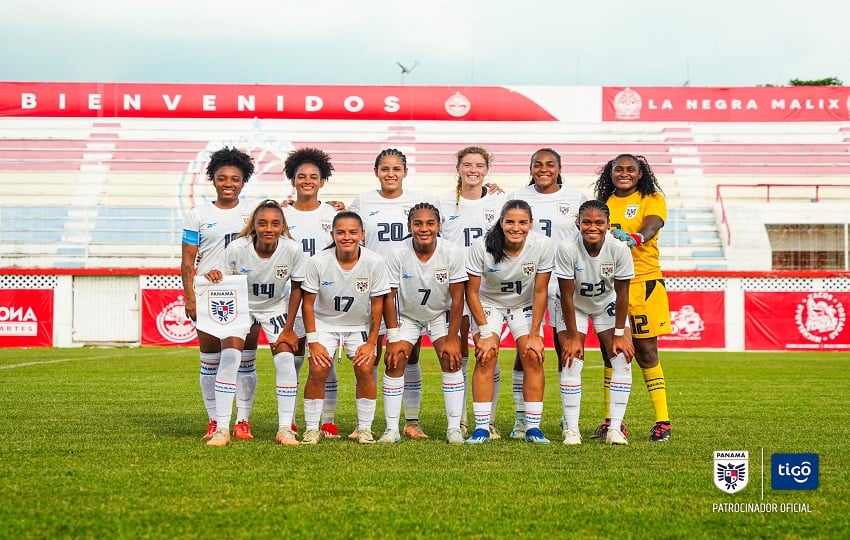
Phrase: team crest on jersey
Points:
(441, 275)
(631, 211)
(361, 284)
(489, 216)
(607, 269)
(487, 311)
(731, 470)
(245, 218)
(281, 271)
(528, 268)
(326, 226)
(564, 209)
(405, 210)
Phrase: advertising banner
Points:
(26, 317)
(779, 321)
(697, 320)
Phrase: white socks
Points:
(412, 391)
(453, 393)
(209, 369)
(571, 393)
(392, 390)
(246, 385)
(286, 387)
(621, 388)
(225, 386)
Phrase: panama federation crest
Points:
(222, 305)
(361, 284)
(281, 271)
(489, 216)
(564, 209)
(327, 226)
(441, 275)
(731, 470)
(631, 211)
(528, 268)
(606, 269)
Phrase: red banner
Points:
(697, 320)
(745, 104)
(796, 321)
(164, 320)
(26, 317)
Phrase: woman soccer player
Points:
(638, 212)
(556, 207)
(309, 220)
(593, 277)
(384, 213)
(271, 260)
(342, 307)
(207, 231)
(427, 277)
(508, 279)
(468, 212)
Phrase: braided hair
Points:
(488, 159)
(595, 204)
(647, 183)
(390, 152)
(232, 157)
(422, 206)
(302, 156)
(559, 180)
(494, 240)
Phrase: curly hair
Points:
(230, 157)
(302, 156)
(647, 183)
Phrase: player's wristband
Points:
(312, 337)
(393, 335)
(484, 331)
(619, 332)
(637, 237)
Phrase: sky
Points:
(459, 42)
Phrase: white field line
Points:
(61, 360)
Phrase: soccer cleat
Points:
(602, 430)
(294, 428)
(330, 430)
(615, 437)
(364, 436)
(212, 427)
(454, 436)
(286, 437)
(572, 437)
(534, 435)
(219, 438)
(354, 434)
(242, 430)
(518, 431)
(479, 436)
(390, 436)
(413, 430)
(660, 432)
(495, 434)
(311, 436)
(464, 430)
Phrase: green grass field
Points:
(106, 443)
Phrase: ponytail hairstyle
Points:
(390, 152)
(345, 214)
(488, 160)
(559, 180)
(647, 183)
(494, 240)
(249, 230)
(231, 157)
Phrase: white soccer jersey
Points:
(594, 276)
(343, 297)
(510, 284)
(385, 220)
(311, 228)
(465, 220)
(554, 213)
(211, 229)
(423, 287)
(268, 279)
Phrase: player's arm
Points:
(534, 343)
(452, 343)
(287, 335)
(572, 346)
(187, 274)
(366, 354)
(486, 345)
(396, 351)
(318, 353)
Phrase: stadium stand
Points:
(87, 193)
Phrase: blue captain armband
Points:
(191, 237)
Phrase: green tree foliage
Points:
(829, 81)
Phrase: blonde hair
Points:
(488, 159)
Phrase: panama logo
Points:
(631, 211)
(441, 275)
(361, 284)
(222, 305)
(528, 268)
(173, 324)
(627, 104)
(405, 210)
(489, 216)
(731, 470)
(564, 209)
(607, 269)
(281, 271)
(326, 226)
(820, 317)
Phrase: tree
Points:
(829, 81)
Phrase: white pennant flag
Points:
(223, 306)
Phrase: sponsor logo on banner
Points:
(731, 470)
(627, 104)
(361, 284)
(281, 271)
(222, 305)
(528, 268)
(441, 275)
(794, 471)
(607, 269)
(686, 323)
(173, 324)
(820, 317)
(18, 321)
(458, 105)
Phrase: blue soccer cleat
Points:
(534, 435)
(479, 436)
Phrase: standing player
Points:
(271, 260)
(593, 277)
(427, 277)
(342, 308)
(384, 213)
(468, 212)
(309, 220)
(207, 231)
(556, 207)
(509, 273)
(638, 212)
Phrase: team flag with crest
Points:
(223, 306)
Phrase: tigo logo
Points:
(794, 471)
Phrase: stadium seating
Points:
(78, 192)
